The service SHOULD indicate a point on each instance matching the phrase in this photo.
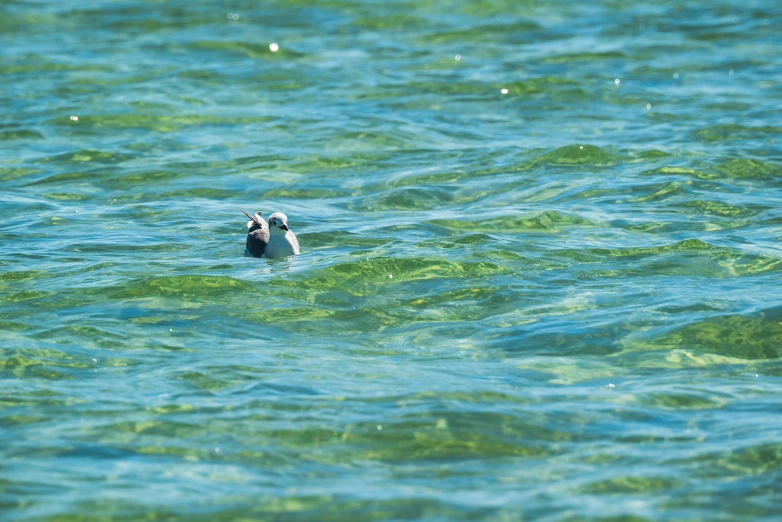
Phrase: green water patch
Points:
(145, 147)
(543, 93)
(495, 9)
(682, 401)
(202, 77)
(69, 177)
(115, 248)
(340, 238)
(688, 245)
(652, 154)
(472, 239)
(26, 296)
(738, 337)
(462, 304)
(119, 181)
(435, 178)
(590, 193)
(390, 22)
(733, 132)
(735, 169)
(36, 301)
(184, 286)
(136, 431)
(169, 121)
(370, 140)
(691, 256)
(43, 363)
(82, 335)
(293, 506)
(428, 444)
(53, 221)
(22, 21)
(751, 460)
(294, 192)
(657, 192)
(518, 31)
(37, 64)
(731, 35)
(36, 398)
(22, 275)
(363, 160)
(364, 277)
(548, 221)
(660, 115)
(717, 209)
(566, 370)
(742, 168)
(676, 171)
(636, 485)
(585, 57)
(657, 73)
(457, 242)
(136, 19)
(407, 198)
(322, 317)
(20, 134)
(88, 156)
(12, 326)
(13, 421)
(201, 193)
(248, 49)
(575, 156)
(215, 381)
(728, 106)
(9, 174)
(550, 85)
(442, 436)
(443, 63)
(66, 196)
(518, 261)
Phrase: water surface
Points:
(540, 276)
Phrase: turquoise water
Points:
(557, 303)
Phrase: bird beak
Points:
(284, 227)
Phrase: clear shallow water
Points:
(559, 303)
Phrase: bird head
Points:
(278, 223)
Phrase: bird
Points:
(282, 241)
(257, 235)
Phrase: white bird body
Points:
(282, 240)
(282, 245)
(271, 240)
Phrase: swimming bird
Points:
(257, 235)
(282, 241)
